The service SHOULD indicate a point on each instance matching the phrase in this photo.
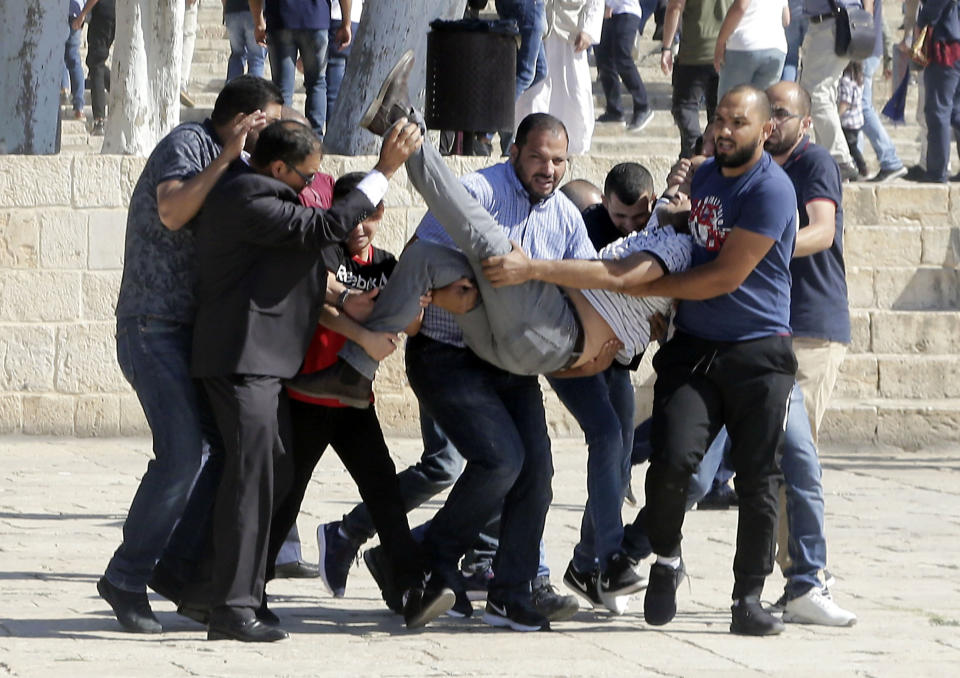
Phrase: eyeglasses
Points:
(782, 115)
(307, 178)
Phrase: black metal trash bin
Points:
(471, 75)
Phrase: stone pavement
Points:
(893, 517)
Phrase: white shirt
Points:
(625, 7)
(355, 10)
(760, 28)
(629, 316)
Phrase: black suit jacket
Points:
(262, 281)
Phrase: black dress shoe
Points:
(197, 613)
(295, 570)
(132, 609)
(265, 614)
(750, 619)
(230, 624)
(393, 100)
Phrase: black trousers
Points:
(851, 136)
(100, 34)
(692, 85)
(356, 437)
(701, 386)
(253, 416)
(615, 62)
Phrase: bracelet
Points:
(666, 49)
(341, 299)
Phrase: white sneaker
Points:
(813, 607)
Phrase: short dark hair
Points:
(286, 140)
(346, 183)
(536, 122)
(763, 100)
(244, 94)
(629, 181)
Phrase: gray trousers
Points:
(524, 329)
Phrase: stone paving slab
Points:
(893, 519)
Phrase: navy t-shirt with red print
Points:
(762, 200)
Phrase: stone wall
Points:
(62, 222)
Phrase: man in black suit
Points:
(260, 290)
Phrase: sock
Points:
(673, 563)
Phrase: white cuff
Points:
(374, 186)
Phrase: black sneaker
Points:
(478, 583)
(337, 555)
(518, 614)
(421, 606)
(382, 571)
(660, 603)
(610, 117)
(96, 130)
(849, 172)
(640, 120)
(750, 619)
(550, 603)
(132, 609)
(617, 582)
(720, 498)
(584, 584)
(889, 174)
(339, 382)
(915, 173)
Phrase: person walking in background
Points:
(337, 56)
(849, 105)
(186, 51)
(245, 53)
(891, 167)
(615, 62)
(752, 46)
(795, 32)
(103, 23)
(941, 78)
(72, 85)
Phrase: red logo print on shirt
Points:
(706, 223)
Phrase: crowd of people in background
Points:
(254, 311)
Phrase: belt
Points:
(579, 342)
(820, 18)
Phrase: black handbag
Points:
(856, 34)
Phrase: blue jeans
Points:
(760, 68)
(872, 126)
(154, 356)
(73, 73)
(531, 19)
(942, 112)
(244, 50)
(283, 46)
(795, 31)
(497, 422)
(336, 64)
(603, 407)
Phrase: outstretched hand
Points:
(379, 345)
(508, 269)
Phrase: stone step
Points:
(884, 331)
(910, 424)
(904, 288)
(897, 376)
(901, 245)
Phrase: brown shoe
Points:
(393, 100)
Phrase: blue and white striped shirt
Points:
(549, 229)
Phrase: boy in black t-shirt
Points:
(355, 434)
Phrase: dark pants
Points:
(614, 55)
(852, 136)
(496, 420)
(356, 437)
(703, 385)
(253, 415)
(691, 85)
(942, 112)
(103, 23)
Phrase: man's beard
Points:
(779, 147)
(736, 158)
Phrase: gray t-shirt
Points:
(159, 265)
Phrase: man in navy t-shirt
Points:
(820, 320)
(730, 361)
